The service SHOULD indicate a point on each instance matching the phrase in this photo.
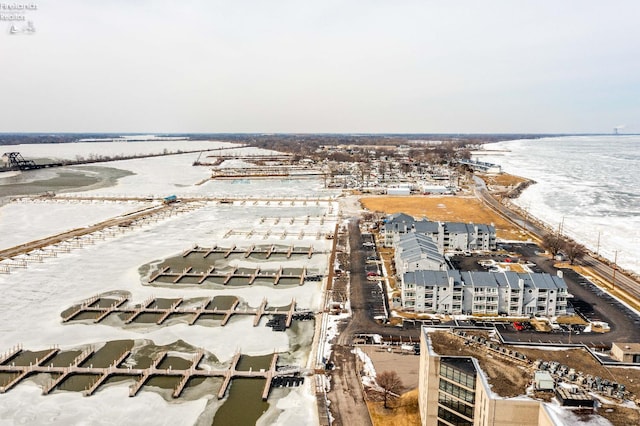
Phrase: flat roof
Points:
(628, 347)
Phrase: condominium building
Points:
(491, 293)
(454, 391)
(415, 252)
(446, 235)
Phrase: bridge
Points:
(15, 161)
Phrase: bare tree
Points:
(390, 382)
(553, 243)
(574, 251)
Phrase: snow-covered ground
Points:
(71, 151)
(27, 220)
(34, 297)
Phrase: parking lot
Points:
(375, 296)
(589, 301)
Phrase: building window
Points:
(457, 391)
(452, 418)
(458, 376)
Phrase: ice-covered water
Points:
(34, 297)
(590, 184)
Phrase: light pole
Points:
(615, 267)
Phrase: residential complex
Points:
(493, 293)
(448, 236)
(430, 285)
(415, 252)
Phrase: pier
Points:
(152, 213)
(102, 307)
(142, 375)
(247, 275)
(267, 250)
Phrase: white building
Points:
(432, 291)
(415, 251)
(447, 235)
(488, 293)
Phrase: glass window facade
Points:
(455, 405)
(467, 379)
(456, 396)
(452, 418)
(457, 391)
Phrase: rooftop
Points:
(510, 380)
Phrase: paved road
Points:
(362, 321)
(622, 281)
(347, 399)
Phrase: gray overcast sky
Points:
(322, 66)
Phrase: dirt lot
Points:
(402, 411)
(406, 365)
(444, 208)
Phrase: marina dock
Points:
(19, 373)
(250, 276)
(103, 307)
(267, 251)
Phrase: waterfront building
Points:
(448, 236)
(417, 252)
(484, 293)
(453, 390)
(432, 291)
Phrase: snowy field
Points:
(34, 297)
(27, 220)
(71, 151)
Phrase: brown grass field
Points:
(401, 412)
(503, 179)
(445, 208)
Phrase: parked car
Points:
(518, 326)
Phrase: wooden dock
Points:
(267, 250)
(176, 308)
(249, 276)
(142, 375)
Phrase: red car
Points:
(518, 326)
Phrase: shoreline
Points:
(575, 194)
(525, 216)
